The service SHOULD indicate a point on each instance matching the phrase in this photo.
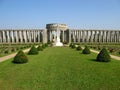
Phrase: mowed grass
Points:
(60, 68)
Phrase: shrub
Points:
(111, 50)
(6, 51)
(86, 50)
(33, 51)
(21, 47)
(70, 44)
(43, 46)
(39, 48)
(13, 50)
(73, 46)
(46, 45)
(103, 56)
(78, 48)
(20, 58)
(99, 47)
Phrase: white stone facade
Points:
(66, 35)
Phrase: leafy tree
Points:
(103, 56)
(20, 58)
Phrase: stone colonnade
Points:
(101, 36)
(22, 36)
(70, 35)
(51, 36)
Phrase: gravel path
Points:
(11, 56)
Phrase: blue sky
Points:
(83, 14)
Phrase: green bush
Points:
(70, 45)
(111, 50)
(39, 48)
(13, 49)
(103, 56)
(33, 51)
(119, 52)
(20, 58)
(43, 46)
(6, 51)
(46, 45)
(78, 48)
(86, 50)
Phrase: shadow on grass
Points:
(94, 60)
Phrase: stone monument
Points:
(57, 40)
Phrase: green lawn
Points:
(60, 68)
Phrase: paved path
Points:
(11, 56)
(112, 56)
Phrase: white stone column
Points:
(50, 35)
(45, 36)
(111, 36)
(17, 37)
(107, 36)
(63, 35)
(12, 36)
(69, 36)
(83, 36)
(0, 36)
(91, 36)
(99, 36)
(115, 36)
(4, 38)
(95, 36)
(74, 36)
(38, 36)
(21, 36)
(87, 36)
(119, 36)
(30, 36)
(78, 36)
(7, 36)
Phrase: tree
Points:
(33, 51)
(103, 56)
(86, 50)
(20, 58)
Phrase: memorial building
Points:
(58, 33)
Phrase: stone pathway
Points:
(11, 56)
(112, 56)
